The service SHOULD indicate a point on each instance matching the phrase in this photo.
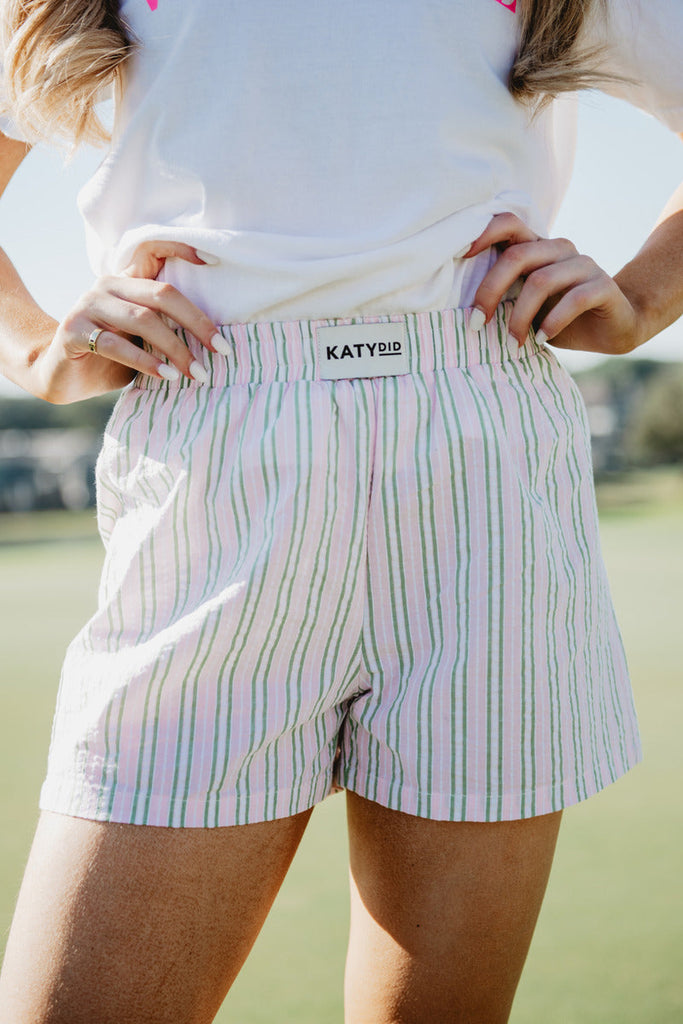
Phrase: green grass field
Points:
(608, 945)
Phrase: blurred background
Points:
(607, 950)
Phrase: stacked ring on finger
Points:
(92, 340)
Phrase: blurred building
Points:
(51, 468)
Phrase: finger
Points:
(503, 228)
(516, 262)
(149, 257)
(117, 349)
(162, 298)
(548, 282)
(135, 321)
(593, 296)
(127, 321)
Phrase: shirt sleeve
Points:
(643, 41)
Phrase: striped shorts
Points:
(391, 583)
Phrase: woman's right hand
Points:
(127, 306)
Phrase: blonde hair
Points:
(549, 60)
(60, 54)
(58, 57)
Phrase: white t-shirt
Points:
(336, 156)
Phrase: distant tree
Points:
(621, 375)
(614, 390)
(32, 414)
(654, 432)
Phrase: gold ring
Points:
(92, 340)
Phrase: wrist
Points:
(33, 373)
(647, 314)
(652, 281)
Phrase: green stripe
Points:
(216, 463)
(272, 639)
(606, 608)
(240, 516)
(460, 501)
(310, 624)
(254, 587)
(149, 732)
(425, 504)
(529, 547)
(143, 405)
(357, 542)
(197, 680)
(489, 448)
(398, 593)
(577, 478)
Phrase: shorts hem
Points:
(510, 806)
(76, 799)
(197, 812)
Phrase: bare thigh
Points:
(442, 914)
(128, 924)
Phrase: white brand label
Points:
(362, 350)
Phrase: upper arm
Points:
(12, 152)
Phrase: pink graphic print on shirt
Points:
(153, 5)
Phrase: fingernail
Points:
(220, 345)
(477, 319)
(208, 258)
(198, 372)
(541, 337)
(168, 372)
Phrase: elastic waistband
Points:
(267, 352)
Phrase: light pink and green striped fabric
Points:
(396, 579)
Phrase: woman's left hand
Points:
(567, 297)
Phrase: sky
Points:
(627, 165)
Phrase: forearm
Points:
(653, 280)
(25, 329)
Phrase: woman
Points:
(347, 500)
